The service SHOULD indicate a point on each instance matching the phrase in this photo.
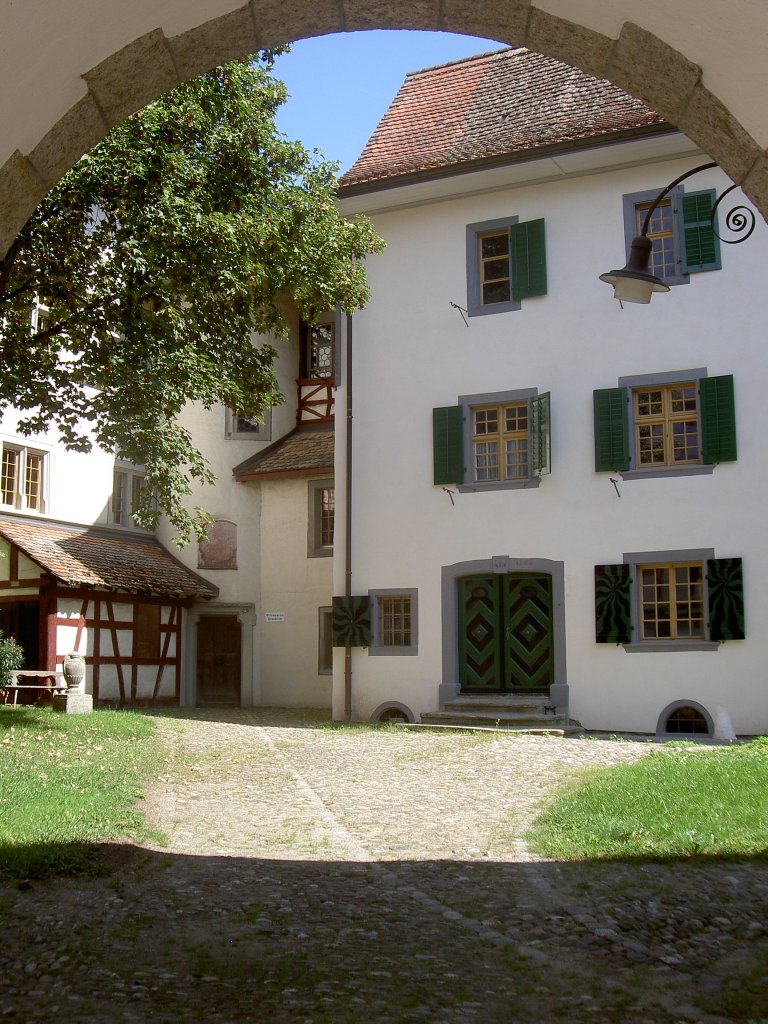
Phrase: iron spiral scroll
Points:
(740, 220)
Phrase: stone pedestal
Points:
(73, 703)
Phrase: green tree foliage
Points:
(11, 658)
(159, 256)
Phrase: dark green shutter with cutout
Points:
(725, 590)
(718, 419)
(528, 255)
(351, 621)
(699, 245)
(448, 444)
(613, 615)
(611, 430)
(541, 444)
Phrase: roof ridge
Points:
(465, 60)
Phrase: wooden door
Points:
(505, 633)
(218, 660)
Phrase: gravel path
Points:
(361, 876)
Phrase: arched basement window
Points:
(686, 720)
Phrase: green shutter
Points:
(725, 587)
(613, 617)
(611, 430)
(699, 245)
(541, 462)
(529, 259)
(351, 621)
(448, 444)
(718, 419)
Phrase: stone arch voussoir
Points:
(637, 61)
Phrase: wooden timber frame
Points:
(125, 642)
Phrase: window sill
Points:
(376, 650)
(670, 646)
(662, 471)
(500, 485)
(320, 553)
(495, 307)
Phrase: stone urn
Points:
(74, 672)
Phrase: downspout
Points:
(348, 522)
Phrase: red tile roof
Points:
(93, 557)
(496, 105)
(302, 452)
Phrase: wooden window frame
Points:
(30, 466)
(679, 595)
(666, 419)
(320, 518)
(500, 437)
(386, 640)
(616, 433)
(124, 498)
(309, 368)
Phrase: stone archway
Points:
(631, 55)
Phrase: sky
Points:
(340, 85)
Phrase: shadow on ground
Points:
(166, 938)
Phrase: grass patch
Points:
(67, 784)
(675, 803)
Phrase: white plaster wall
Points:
(78, 485)
(295, 586)
(413, 352)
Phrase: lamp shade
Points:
(633, 283)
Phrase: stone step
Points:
(511, 704)
(495, 718)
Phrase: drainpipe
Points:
(348, 521)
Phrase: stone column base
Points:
(73, 703)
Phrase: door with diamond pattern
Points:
(505, 633)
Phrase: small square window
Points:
(394, 622)
(239, 427)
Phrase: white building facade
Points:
(552, 496)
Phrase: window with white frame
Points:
(322, 511)
(679, 422)
(127, 494)
(23, 478)
(394, 622)
(506, 263)
(239, 427)
(491, 441)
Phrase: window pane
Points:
(494, 245)
(497, 292)
(487, 460)
(10, 475)
(33, 481)
(327, 511)
(321, 345)
(395, 621)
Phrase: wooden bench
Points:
(58, 685)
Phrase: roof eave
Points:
(504, 159)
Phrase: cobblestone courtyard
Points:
(332, 876)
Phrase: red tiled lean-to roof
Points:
(511, 101)
(94, 557)
(302, 452)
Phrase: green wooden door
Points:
(505, 633)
